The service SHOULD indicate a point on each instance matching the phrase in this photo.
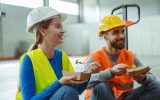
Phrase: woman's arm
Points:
(27, 83)
(67, 66)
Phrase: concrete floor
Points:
(9, 74)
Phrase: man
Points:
(112, 80)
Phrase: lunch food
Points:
(135, 71)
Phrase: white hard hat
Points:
(40, 14)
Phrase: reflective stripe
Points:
(123, 86)
(118, 95)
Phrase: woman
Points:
(41, 68)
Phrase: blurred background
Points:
(81, 36)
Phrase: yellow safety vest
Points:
(43, 72)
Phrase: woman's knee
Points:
(69, 91)
(65, 93)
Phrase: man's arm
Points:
(106, 74)
(98, 77)
(149, 76)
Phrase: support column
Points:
(81, 17)
(46, 2)
(1, 35)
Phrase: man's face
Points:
(116, 38)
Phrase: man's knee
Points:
(155, 86)
(103, 91)
(103, 87)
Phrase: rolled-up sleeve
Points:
(99, 77)
(149, 76)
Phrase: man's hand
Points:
(139, 77)
(93, 67)
(142, 76)
(119, 69)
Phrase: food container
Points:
(79, 75)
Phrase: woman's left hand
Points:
(70, 80)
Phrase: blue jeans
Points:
(65, 93)
(151, 91)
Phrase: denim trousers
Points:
(151, 91)
(65, 93)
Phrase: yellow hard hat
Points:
(110, 22)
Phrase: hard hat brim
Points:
(106, 29)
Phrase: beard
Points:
(118, 44)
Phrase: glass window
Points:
(24, 3)
(64, 7)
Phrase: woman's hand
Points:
(119, 69)
(93, 67)
(70, 80)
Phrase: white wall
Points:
(82, 39)
(144, 36)
(1, 38)
(14, 25)
(148, 8)
(13, 28)
(89, 11)
(77, 38)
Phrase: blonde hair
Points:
(38, 35)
